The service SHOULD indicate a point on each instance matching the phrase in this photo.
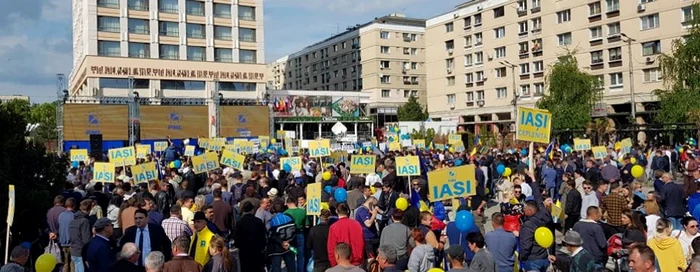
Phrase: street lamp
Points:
(630, 65)
(515, 92)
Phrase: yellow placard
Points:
(103, 172)
(600, 152)
(203, 143)
(362, 164)
(189, 150)
(160, 146)
(217, 144)
(142, 151)
(419, 144)
(582, 144)
(320, 148)
(395, 146)
(79, 155)
(408, 166)
(533, 125)
(264, 141)
(313, 195)
(339, 156)
(244, 147)
(125, 156)
(625, 146)
(281, 134)
(454, 138)
(294, 163)
(451, 182)
(144, 172)
(205, 162)
(232, 159)
(439, 146)
(459, 147)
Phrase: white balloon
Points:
(186, 141)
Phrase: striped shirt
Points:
(175, 227)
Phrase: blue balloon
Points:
(500, 169)
(328, 189)
(464, 221)
(177, 163)
(75, 164)
(341, 195)
(523, 152)
(458, 162)
(287, 168)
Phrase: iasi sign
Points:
(533, 125)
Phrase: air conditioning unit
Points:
(381, 68)
(456, 15)
(479, 8)
(449, 51)
(650, 60)
(641, 7)
(452, 106)
(449, 70)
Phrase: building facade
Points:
(276, 72)
(168, 48)
(485, 55)
(383, 58)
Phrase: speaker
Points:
(465, 139)
(96, 146)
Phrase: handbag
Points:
(54, 250)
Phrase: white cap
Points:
(297, 174)
(272, 192)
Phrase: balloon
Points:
(340, 195)
(287, 168)
(171, 165)
(436, 270)
(523, 152)
(424, 207)
(177, 164)
(186, 141)
(327, 189)
(464, 221)
(633, 160)
(324, 206)
(500, 168)
(45, 263)
(544, 237)
(75, 164)
(402, 204)
(458, 162)
(507, 172)
(637, 171)
(326, 175)
(273, 141)
(618, 145)
(374, 190)
(451, 149)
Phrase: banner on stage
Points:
(363, 164)
(125, 156)
(451, 183)
(533, 125)
(408, 166)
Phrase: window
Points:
(615, 54)
(108, 24)
(646, 1)
(467, 22)
(616, 80)
(500, 52)
(523, 27)
(501, 92)
(123, 83)
(451, 99)
(539, 89)
(414, 51)
(167, 6)
(651, 48)
(597, 57)
(500, 32)
(525, 90)
(449, 27)
(480, 76)
(535, 4)
(687, 13)
(652, 75)
(477, 19)
(384, 64)
(563, 16)
(450, 81)
(141, 5)
(195, 31)
(613, 29)
(414, 66)
(501, 72)
(450, 64)
(538, 66)
(237, 86)
(138, 26)
(524, 68)
(468, 60)
(480, 96)
(479, 58)
(594, 9)
(246, 13)
(468, 41)
(650, 21)
(469, 78)
(406, 51)
(139, 50)
(384, 50)
(384, 79)
(170, 29)
(108, 49)
(596, 32)
(223, 55)
(536, 24)
(470, 96)
(386, 93)
(384, 35)
(108, 3)
(499, 12)
(246, 34)
(564, 39)
(196, 53)
(224, 33)
(168, 51)
(335, 48)
(222, 10)
(450, 46)
(523, 47)
(186, 85)
(194, 8)
(612, 5)
(478, 39)
(522, 6)
(247, 56)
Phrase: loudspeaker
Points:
(465, 139)
(96, 146)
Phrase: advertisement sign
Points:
(232, 159)
(316, 106)
(103, 172)
(144, 172)
(142, 151)
(362, 164)
(80, 121)
(533, 125)
(600, 152)
(205, 162)
(160, 146)
(313, 192)
(294, 163)
(124, 156)
(408, 166)
(320, 148)
(189, 150)
(582, 144)
(78, 155)
(178, 122)
(420, 143)
(451, 183)
(244, 121)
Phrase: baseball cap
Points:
(455, 251)
(102, 223)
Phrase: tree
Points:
(44, 115)
(571, 94)
(600, 128)
(412, 111)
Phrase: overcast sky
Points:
(36, 38)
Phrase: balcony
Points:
(535, 9)
(615, 58)
(406, 39)
(522, 11)
(536, 30)
(524, 54)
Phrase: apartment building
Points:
(276, 72)
(170, 48)
(486, 56)
(384, 58)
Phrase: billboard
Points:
(157, 122)
(316, 106)
(80, 121)
(244, 121)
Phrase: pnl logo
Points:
(242, 119)
(174, 119)
(93, 124)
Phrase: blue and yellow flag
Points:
(548, 152)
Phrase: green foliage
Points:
(412, 111)
(44, 115)
(571, 94)
(427, 134)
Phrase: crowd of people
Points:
(255, 218)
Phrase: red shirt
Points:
(347, 231)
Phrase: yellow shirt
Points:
(669, 253)
(201, 254)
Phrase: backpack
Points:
(238, 190)
(283, 226)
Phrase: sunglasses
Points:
(517, 192)
(693, 226)
(587, 188)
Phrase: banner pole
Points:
(7, 242)
(530, 158)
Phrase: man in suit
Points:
(147, 237)
(98, 253)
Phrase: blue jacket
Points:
(171, 153)
(693, 201)
(502, 245)
(550, 177)
(99, 255)
(64, 220)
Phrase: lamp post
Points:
(630, 65)
(515, 91)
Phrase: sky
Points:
(36, 38)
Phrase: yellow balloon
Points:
(423, 207)
(45, 263)
(618, 145)
(324, 206)
(451, 149)
(373, 189)
(507, 172)
(326, 175)
(436, 270)
(402, 204)
(273, 141)
(637, 171)
(544, 237)
(680, 150)
(633, 160)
